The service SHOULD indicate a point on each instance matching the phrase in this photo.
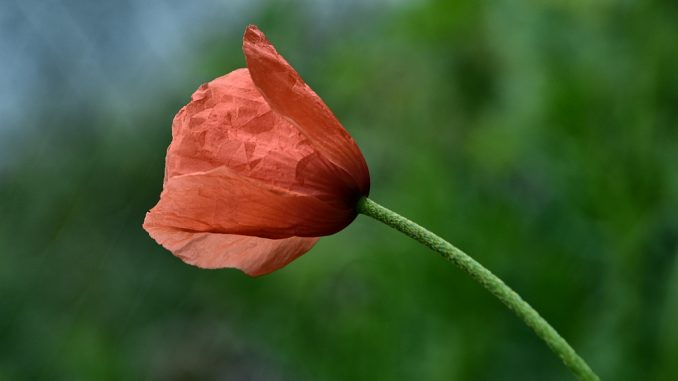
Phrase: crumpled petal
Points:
(291, 97)
(228, 123)
(222, 201)
(253, 255)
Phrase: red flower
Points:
(257, 170)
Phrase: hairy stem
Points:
(487, 279)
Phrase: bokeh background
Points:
(541, 138)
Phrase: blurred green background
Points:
(541, 138)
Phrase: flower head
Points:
(258, 169)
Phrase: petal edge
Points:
(253, 255)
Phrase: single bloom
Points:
(258, 169)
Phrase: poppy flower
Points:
(258, 169)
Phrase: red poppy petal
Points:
(289, 96)
(222, 201)
(253, 255)
(228, 123)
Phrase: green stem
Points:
(488, 280)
